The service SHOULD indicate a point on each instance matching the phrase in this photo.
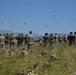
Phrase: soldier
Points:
(51, 38)
(2, 41)
(55, 38)
(26, 39)
(22, 38)
(12, 40)
(65, 38)
(74, 38)
(30, 41)
(46, 39)
(41, 40)
(60, 38)
(70, 38)
(19, 38)
(7, 42)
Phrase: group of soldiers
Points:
(9, 40)
(6, 40)
(54, 39)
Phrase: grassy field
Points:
(65, 65)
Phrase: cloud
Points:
(63, 23)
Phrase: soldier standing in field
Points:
(22, 38)
(60, 38)
(56, 39)
(19, 38)
(26, 39)
(65, 39)
(2, 42)
(30, 41)
(12, 38)
(70, 38)
(75, 38)
(7, 41)
(41, 40)
(46, 39)
(51, 39)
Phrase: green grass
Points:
(65, 65)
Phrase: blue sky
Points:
(37, 14)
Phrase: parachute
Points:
(53, 15)
(24, 23)
(4, 22)
(46, 26)
(12, 25)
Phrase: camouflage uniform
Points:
(22, 38)
(12, 40)
(74, 37)
(41, 40)
(46, 39)
(30, 41)
(65, 38)
(60, 38)
(56, 38)
(51, 39)
(2, 41)
(7, 42)
(70, 38)
(26, 39)
(19, 38)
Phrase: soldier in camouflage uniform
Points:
(26, 39)
(22, 38)
(70, 38)
(75, 38)
(19, 38)
(46, 39)
(30, 41)
(60, 38)
(51, 39)
(12, 38)
(56, 39)
(2, 42)
(41, 40)
(65, 39)
(7, 42)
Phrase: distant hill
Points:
(6, 31)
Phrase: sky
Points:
(39, 16)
